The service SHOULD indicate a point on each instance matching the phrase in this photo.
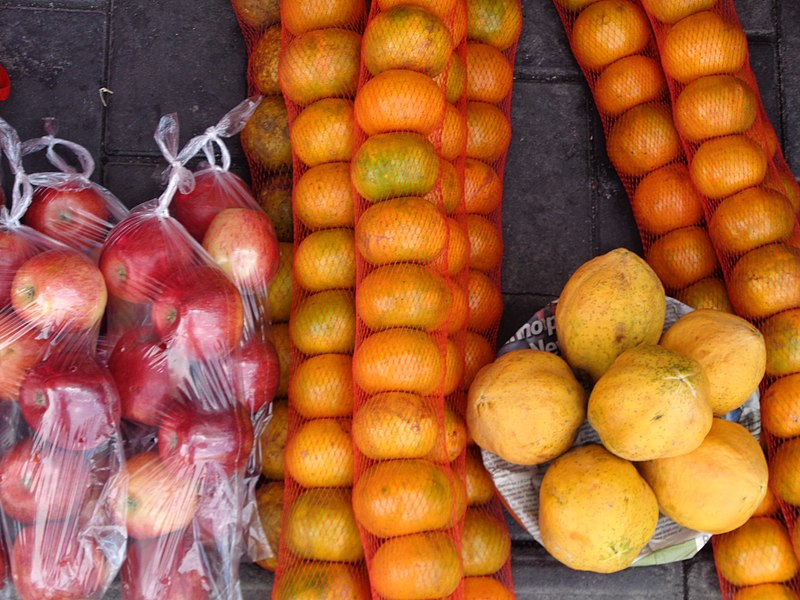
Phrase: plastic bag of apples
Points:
(60, 447)
(195, 369)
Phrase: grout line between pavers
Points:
(52, 7)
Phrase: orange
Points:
(278, 334)
(320, 454)
(480, 486)
(299, 16)
(258, 13)
(447, 196)
(323, 196)
(322, 386)
(398, 497)
(272, 441)
(401, 230)
(323, 132)
(786, 185)
(575, 5)
(269, 499)
(460, 502)
(440, 8)
(280, 290)
(478, 353)
(325, 323)
(394, 164)
(483, 190)
(760, 551)
(320, 64)
(666, 199)
(607, 31)
(485, 302)
(486, 588)
(320, 525)
(454, 133)
(417, 567)
(454, 370)
(399, 100)
(769, 138)
(488, 131)
(489, 74)
(406, 37)
(396, 425)
(275, 198)
(323, 581)
(682, 257)
(672, 11)
(714, 106)
(780, 407)
(783, 470)
(766, 591)
(643, 139)
(629, 81)
(706, 293)
(486, 543)
(399, 359)
(751, 219)
(765, 281)
(403, 295)
(703, 44)
(265, 137)
(326, 260)
(494, 22)
(459, 309)
(453, 80)
(769, 505)
(485, 244)
(782, 338)
(450, 447)
(263, 64)
(455, 258)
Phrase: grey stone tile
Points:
(54, 72)
(543, 50)
(517, 309)
(756, 17)
(764, 65)
(192, 63)
(547, 201)
(133, 182)
(789, 16)
(59, 4)
(701, 577)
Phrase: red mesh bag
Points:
(61, 446)
(751, 202)
(621, 65)
(320, 550)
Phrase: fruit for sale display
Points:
(325, 323)
(781, 336)
(526, 407)
(15, 249)
(323, 197)
(150, 572)
(322, 386)
(255, 371)
(319, 454)
(765, 281)
(269, 497)
(628, 82)
(477, 588)
(486, 544)
(479, 483)
(300, 17)
(643, 139)
(258, 13)
(595, 512)
(263, 64)
(715, 488)
(666, 200)
(326, 260)
(597, 314)
(727, 165)
(783, 468)
(715, 106)
(780, 407)
(607, 31)
(280, 292)
(69, 215)
(272, 441)
(396, 425)
(321, 580)
(766, 591)
(20, 349)
(323, 132)
(683, 257)
(265, 138)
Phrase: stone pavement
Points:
(563, 202)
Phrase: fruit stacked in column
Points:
(751, 202)
(493, 32)
(615, 48)
(318, 74)
(407, 171)
(268, 149)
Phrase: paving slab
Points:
(789, 50)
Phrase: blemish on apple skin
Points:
(29, 293)
(132, 503)
(40, 399)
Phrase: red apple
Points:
(52, 561)
(73, 404)
(19, 351)
(141, 255)
(157, 500)
(76, 217)
(255, 373)
(42, 483)
(217, 520)
(59, 289)
(166, 568)
(15, 249)
(190, 440)
(138, 364)
(243, 243)
(3, 565)
(199, 314)
(214, 191)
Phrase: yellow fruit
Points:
(320, 454)
(607, 31)
(783, 469)
(672, 11)
(494, 22)
(628, 82)
(273, 441)
(396, 425)
(323, 132)
(322, 386)
(324, 198)
(643, 139)
(441, 8)
(715, 488)
(486, 588)
(275, 198)
(730, 351)
(325, 323)
(326, 260)
(714, 106)
(780, 407)
(258, 13)
(525, 407)
(280, 290)
(453, 80)
(765, 281)
(595, 512)
(760, 551)
(486, 543)
(611, 303)
(320, 525)
(652, 403)
(724, 166)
